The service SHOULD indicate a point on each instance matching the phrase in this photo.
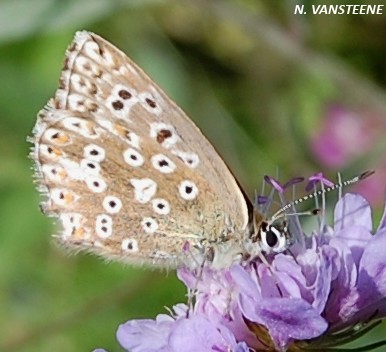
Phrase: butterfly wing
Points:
(128, 174)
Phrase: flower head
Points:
(326, 293)
(345, 135)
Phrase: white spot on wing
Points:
(63, 197)
(87, 67)
(161, 206)
(149, 103)
(50, 151)
(72, 168)
(190, 159)
(54, 172)
(112, 204)
(133, 140)
(121, 104)
(90, 167)
(188, 190)
(149, 225)
(95, 184)
(157, 127)
(78, 102)
(162, 163)
(57, 137)
(70, 221)
(133, 157)
(94, 152)
(81, 126)
(106, 124)
(92, 50)
(104, 226)
(144, 189)
(129, 245)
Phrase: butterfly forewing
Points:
(127, 172)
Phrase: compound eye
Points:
(273, 239)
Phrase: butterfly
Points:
(131, 177)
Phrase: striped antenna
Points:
(338, 185)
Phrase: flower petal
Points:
(244, 280)
(352, 210)
(356, 238)
(342, 288)
(287, 319)
(146, 335)
(372, 270)
(199, 334)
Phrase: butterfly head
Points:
(270, 236)
(274, 236)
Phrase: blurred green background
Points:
(269, 88)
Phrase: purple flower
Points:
(324, 293)
(196, 333)
(282, 187)
(344, 136)
(317, 178)
(146, 335)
